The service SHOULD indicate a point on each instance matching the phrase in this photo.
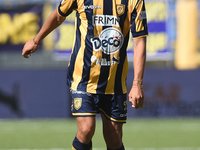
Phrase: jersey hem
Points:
(140, 36)
(60, 13)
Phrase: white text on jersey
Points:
(92, 7)
(105, 20)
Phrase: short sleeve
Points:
(139, 26)
(66, 7)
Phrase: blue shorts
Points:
(113, 107)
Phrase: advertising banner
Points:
(157, 17)
(18, 24)
(44, 94)
(21, 21)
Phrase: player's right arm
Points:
(53, 21)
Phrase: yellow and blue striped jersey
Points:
(98, 62)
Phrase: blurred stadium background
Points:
(35, 101)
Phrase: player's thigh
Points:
(86, 124)
(112, 132)
(111, 128)
(86, 128)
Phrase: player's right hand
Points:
(29, 47)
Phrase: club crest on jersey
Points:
(109, 41)
(77, 103)
(120, 9)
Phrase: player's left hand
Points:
(136, 97)
(29, 47)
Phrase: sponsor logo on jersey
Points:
(80, 92)
(109, 41)
(120, 9)
(104, 61)
(92, 7)
(123, 115)
(105, 20)
(143, 15)
(77, 103)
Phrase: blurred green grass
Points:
(154, 134)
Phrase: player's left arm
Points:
(136, 95)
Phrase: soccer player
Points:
(98, 65)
